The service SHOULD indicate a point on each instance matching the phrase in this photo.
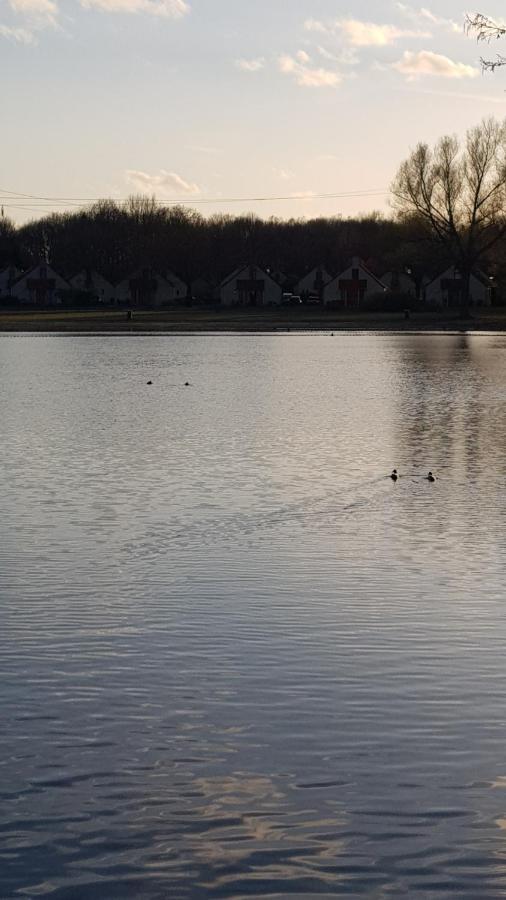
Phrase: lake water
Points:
(236, 659)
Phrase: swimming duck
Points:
(149, 382)
(394, 476)
(430, 477)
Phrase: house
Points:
(7, 278)
(178, 289)
(145, 287)
(311, 286)
(446, 289)
(250, 286)
(351, 287)
(95, 285)
(41, 285)
(399, 283)
(278, 276)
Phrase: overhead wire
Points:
(8, 199)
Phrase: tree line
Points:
(449, 208)
(117, 239)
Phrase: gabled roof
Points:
(167, 274)
(242, 269)
(323, 269)
(29, 272)
(358, 264)
(449, 273)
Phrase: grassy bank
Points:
(244, 320)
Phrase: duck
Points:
(149, 382)
(430, 477)
(394, 476)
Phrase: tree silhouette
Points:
(486, 30)
(458, 194)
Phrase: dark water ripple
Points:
(236, 660)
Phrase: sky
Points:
(217, 103)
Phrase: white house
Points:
(446, 289)
(178, 288)
(90, 282)
(7, 278)
(351, 287)
(399, 283)
(40, 285)
(311, 285)
(250, 286)
(147, 288)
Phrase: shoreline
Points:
(229, 321)
(272, 321)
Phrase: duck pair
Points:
(395, 475)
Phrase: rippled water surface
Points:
(236, 659)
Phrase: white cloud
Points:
(303, 57)
(370, 34)
(416, 65)
(363, 34)
(19, 35)
(316, 25)
(250, 65)
(169, 9)
(306, 75)
(164, 182)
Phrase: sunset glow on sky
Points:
(208, 102)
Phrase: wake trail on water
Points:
(323, 511)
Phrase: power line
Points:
(48, 202)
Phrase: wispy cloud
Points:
(168, 183)
(250, 65)
(364, 34)
(169, 9)
(424, 15)
(347, 56)
(35, 14)
(18, 35)
(305, 73)
(418, 65)
(35, 9)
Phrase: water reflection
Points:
(236, 659)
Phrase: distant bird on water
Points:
(149, 382)
(394, 476)
(430, 477)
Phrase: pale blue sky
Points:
(226, 98)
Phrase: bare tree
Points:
(458, 192)
(486, 30)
